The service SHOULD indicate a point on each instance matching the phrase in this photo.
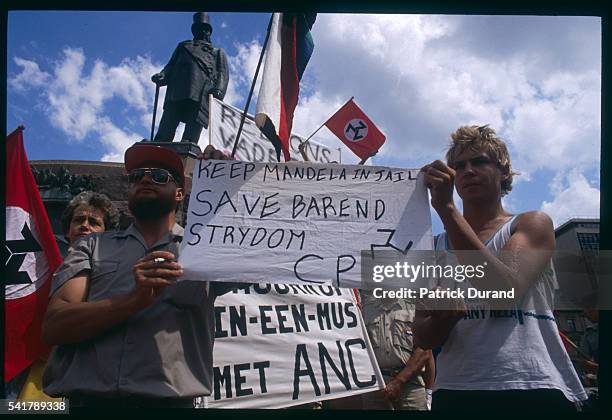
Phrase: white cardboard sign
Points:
(253, 145)
(299, 222)
(283, 345)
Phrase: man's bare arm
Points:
(523, 258)
(70, 319)
(430, 371)
(415, 364)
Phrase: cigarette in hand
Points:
(159, 260)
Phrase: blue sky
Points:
(80, 83)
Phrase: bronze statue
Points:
(195, 69)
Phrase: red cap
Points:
(148, 156)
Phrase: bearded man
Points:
(124, 331)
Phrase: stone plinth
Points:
(60, 180)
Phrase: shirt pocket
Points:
(102, 279)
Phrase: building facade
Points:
(577, 249)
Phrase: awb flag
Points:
(288, 50)
(31, 257)
(356, 130)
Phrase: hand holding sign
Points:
(439, 178)
(210, 152)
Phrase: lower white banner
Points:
(282, 345)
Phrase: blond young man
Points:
(499, 360)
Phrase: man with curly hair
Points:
(503, 359)
(87, 212)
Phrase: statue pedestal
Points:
(183, 148)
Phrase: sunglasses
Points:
(158, 175)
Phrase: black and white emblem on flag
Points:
(356, 130)
(16, 251)
(25, 262)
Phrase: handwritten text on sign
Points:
(253, 145)
(298, 222)
(306, 343)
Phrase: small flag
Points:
(31, 256)
(352, 126)
(289, 48)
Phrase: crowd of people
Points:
(125, 334)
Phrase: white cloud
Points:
(242, 69)
(78, 100)
(562, 123)
(417, 77)
(30, 75)
(115, 139)
(409, 90)
(510, 204)
(420, 77)
(573, 197)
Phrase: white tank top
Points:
(503, 350)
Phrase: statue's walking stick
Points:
(154, 110)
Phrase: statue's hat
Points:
(201, 18)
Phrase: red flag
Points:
(30, 260)
(356, 130)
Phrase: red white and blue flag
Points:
(289, 48)
(31, 256)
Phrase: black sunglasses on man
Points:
(157, 175)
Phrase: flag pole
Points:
(316, 131)
(210, 99)
(302, 149)
(365, 159)
(246, 108)
(154, 111)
